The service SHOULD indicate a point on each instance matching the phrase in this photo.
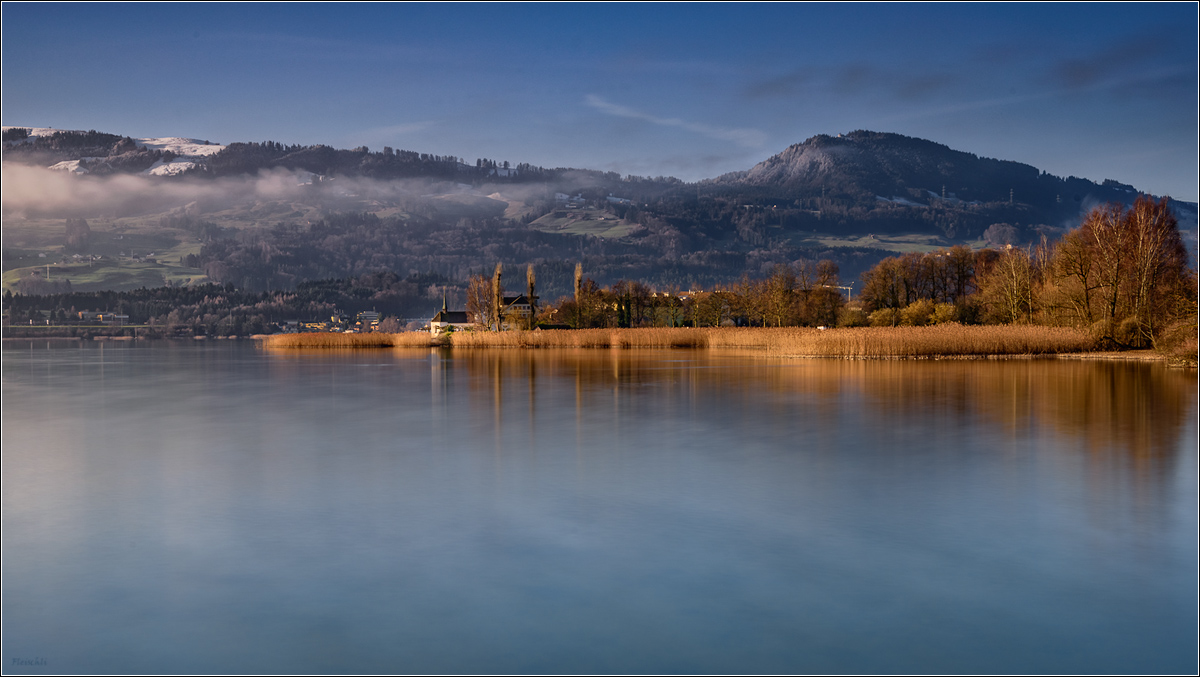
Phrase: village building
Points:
(449, 320)
(367, 320)
(516, 312)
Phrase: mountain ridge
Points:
(889, 164)
(266, 215)
(884, 163)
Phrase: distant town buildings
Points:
(367, 320)
(111, 319)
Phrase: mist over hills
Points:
(271, 215)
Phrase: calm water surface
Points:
(215, 508)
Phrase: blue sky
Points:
(688, 90)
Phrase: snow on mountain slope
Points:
(181, 146)
(35, 132)
(171, 168)
(188, 152)
(73, 166)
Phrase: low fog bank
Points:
(36, 192)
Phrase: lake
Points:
(210, 507)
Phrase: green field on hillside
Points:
(583, 222)
(901, 243)
(120, 254)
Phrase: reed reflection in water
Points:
(596, 511)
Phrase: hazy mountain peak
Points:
(863, 164)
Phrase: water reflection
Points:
(214, 508)
(1136, 409)
(1121, 420)
(1127, 413)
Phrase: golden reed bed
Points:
(946, 340)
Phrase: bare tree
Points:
(1157, 264)
(578, 294)
(1074, 268)
(497, 298)
(530, 287)
(479, 299)
(779, 296)
(1007, 288)
(884, 286)
(961, 271)
(1105, 235)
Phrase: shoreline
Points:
(939, 342)
(942, 342)
(139, 339)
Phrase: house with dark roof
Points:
(516, 312)
(449, 320)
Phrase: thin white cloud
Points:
(404, 128)
(750, 138)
